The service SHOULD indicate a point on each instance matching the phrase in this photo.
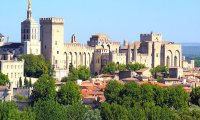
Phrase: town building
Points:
(12, 67)
(152, 51)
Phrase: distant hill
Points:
(191, 49)
(190, 44)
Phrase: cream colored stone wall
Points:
(152, 52)
(119, 58)
(173, 55)
(188, 65)
(143, 59)
(78, 55)
(52, 38)
(32, 47)
(14, 70)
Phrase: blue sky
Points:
(177, 20)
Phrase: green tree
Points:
(92, 115)
(159, 69)
(112, 92)
(131, 94)
(69, 94)
(3, 79)
(64, 79)
(20, 82)
(177, 97)
(76, 112)
(159, 95)
(121, 67)
(134, 67)
(26, 82)
(35, 65)
(49, 110)
(113, 112)
(28, 114)
(147, 95)
(84, 73)
(73, 75)
(110, 68)
(44, 89)
(195, 96)
(29, 83)
(9, 111)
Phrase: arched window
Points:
(175, 61)
(168, 61)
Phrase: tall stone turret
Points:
(129, 54)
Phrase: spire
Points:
(29, 11)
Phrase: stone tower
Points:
(129, 54)
(52, 38)
(29, 34)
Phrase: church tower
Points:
(29, 34)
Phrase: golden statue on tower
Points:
(29, 4)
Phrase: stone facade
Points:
(152, 51)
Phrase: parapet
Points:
(79, 46)
(151, 37)
(52, 20)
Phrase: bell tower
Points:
(29, 34)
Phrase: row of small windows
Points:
(14, 75)
(14, 66)
(27, 37)
(27, 31)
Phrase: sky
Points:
(177, 20)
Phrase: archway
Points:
(168, 61)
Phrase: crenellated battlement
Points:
(152, 34)
(52, 20)
(151, 37)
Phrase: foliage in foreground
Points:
(82, 73)
(36, 65)
(69, 94)
(146, 102)
(44, 89)
(3, 79)
(111, 67)
(132, 94)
